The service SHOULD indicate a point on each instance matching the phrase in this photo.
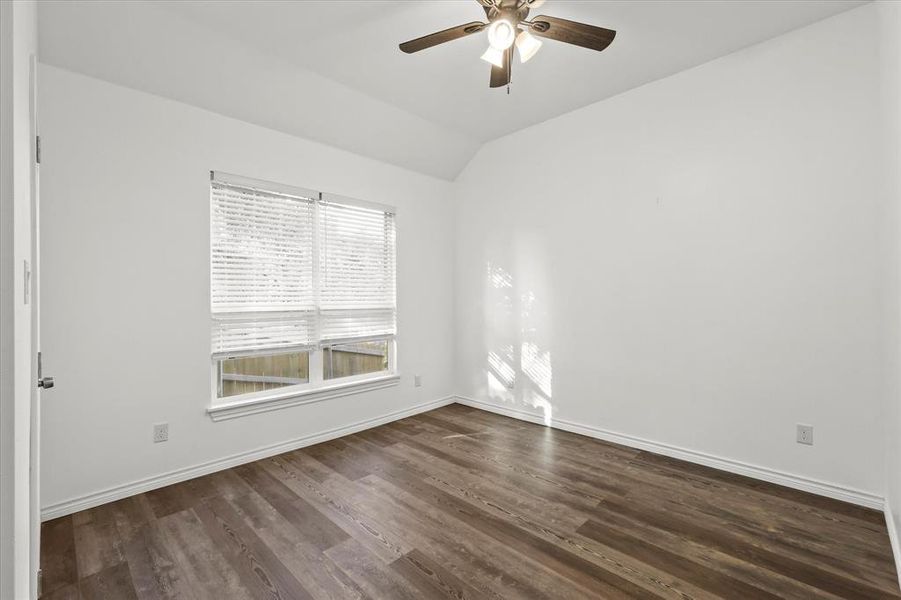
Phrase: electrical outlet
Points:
(417, 381)
(805, 434)
(160, 432)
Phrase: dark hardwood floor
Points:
(460, 503)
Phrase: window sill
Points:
(241, 408)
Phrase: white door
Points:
(40, 381)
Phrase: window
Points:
(302, 290)
(247, 374)
(341, 360)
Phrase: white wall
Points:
(18, 43)
(696, 262)
(890, 60)
(125, 242)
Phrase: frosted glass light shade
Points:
(528, 45)
(494, 56)
(501, 34)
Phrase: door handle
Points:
(43, 382)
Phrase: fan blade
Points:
(579, 34)
(440, 37)
(500, 76)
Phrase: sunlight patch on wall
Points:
(501, 365)
(517, 369)
(536, 365)
(542, 404)
(498, 278)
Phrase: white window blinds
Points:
(357, 272)
(290, 270)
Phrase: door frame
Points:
(34, 474)
(19, 516)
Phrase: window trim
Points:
(301, 394)
(317, 388)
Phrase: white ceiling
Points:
(428, 111)
(356, 43)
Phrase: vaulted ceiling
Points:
(331, 70)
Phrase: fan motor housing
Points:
(512, 14)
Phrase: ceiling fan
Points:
(508, 24)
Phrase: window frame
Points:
(317, 388)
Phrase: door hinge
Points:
(37, 149)
(40, 582)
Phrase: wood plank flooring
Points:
(460, 503)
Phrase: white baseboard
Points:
(789, 480)
(797, 482)
(893, 537)
(112, 494)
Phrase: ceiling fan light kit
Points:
(527, 45)
(501, 34)
(494, 56)
(508, 24)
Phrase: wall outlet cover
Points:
(417, 380)
(805, 434)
